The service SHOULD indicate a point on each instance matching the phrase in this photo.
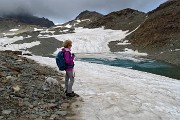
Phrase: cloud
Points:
(64, 10)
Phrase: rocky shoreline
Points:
(22, 94)
(169, 57)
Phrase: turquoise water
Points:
(151, 66)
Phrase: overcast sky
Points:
(64, 10)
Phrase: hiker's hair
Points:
(67, 43)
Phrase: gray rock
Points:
(19, 60)
(27, 103)
(1, 73)
(65, 105)
(41, 95)
(11, 78)
(62, 113)
(36, 109)
(26, 99)
(35, 93)
(39, 119)
(6, 112)
(1, 89)
(52, 101)
(1, 117)
(50, 105)
(53, 117)
(32, 116)
(31, 106)
(35, 103)
(44, 114)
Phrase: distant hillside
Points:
(159, 35)
(14, 21)
(127, 19)
(7, 24)
(10, 20)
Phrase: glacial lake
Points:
(135, 63)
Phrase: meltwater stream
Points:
(136, 63)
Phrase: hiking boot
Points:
(70, 94)
(66, 91)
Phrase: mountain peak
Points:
(129, 9)
(126, 12)
(86, 11)
(127, 19)
(88, 15)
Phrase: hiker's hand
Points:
(73, 54)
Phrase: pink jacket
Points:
(69, 58)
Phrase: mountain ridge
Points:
(126, 19)
(27, 19)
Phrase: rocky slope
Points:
(127, 19)
(7, 24)
(159, 34)
(23, 96)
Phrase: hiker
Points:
(69, 61)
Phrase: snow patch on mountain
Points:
(6, 40)
(68, 26)
(13, 30)
(130, 51)
(16, 47)
(125, 42)
(47, 31)
(36, 29)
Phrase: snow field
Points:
(91, 40)
(114, 93)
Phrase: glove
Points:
(73, 54)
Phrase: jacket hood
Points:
(65, 49)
